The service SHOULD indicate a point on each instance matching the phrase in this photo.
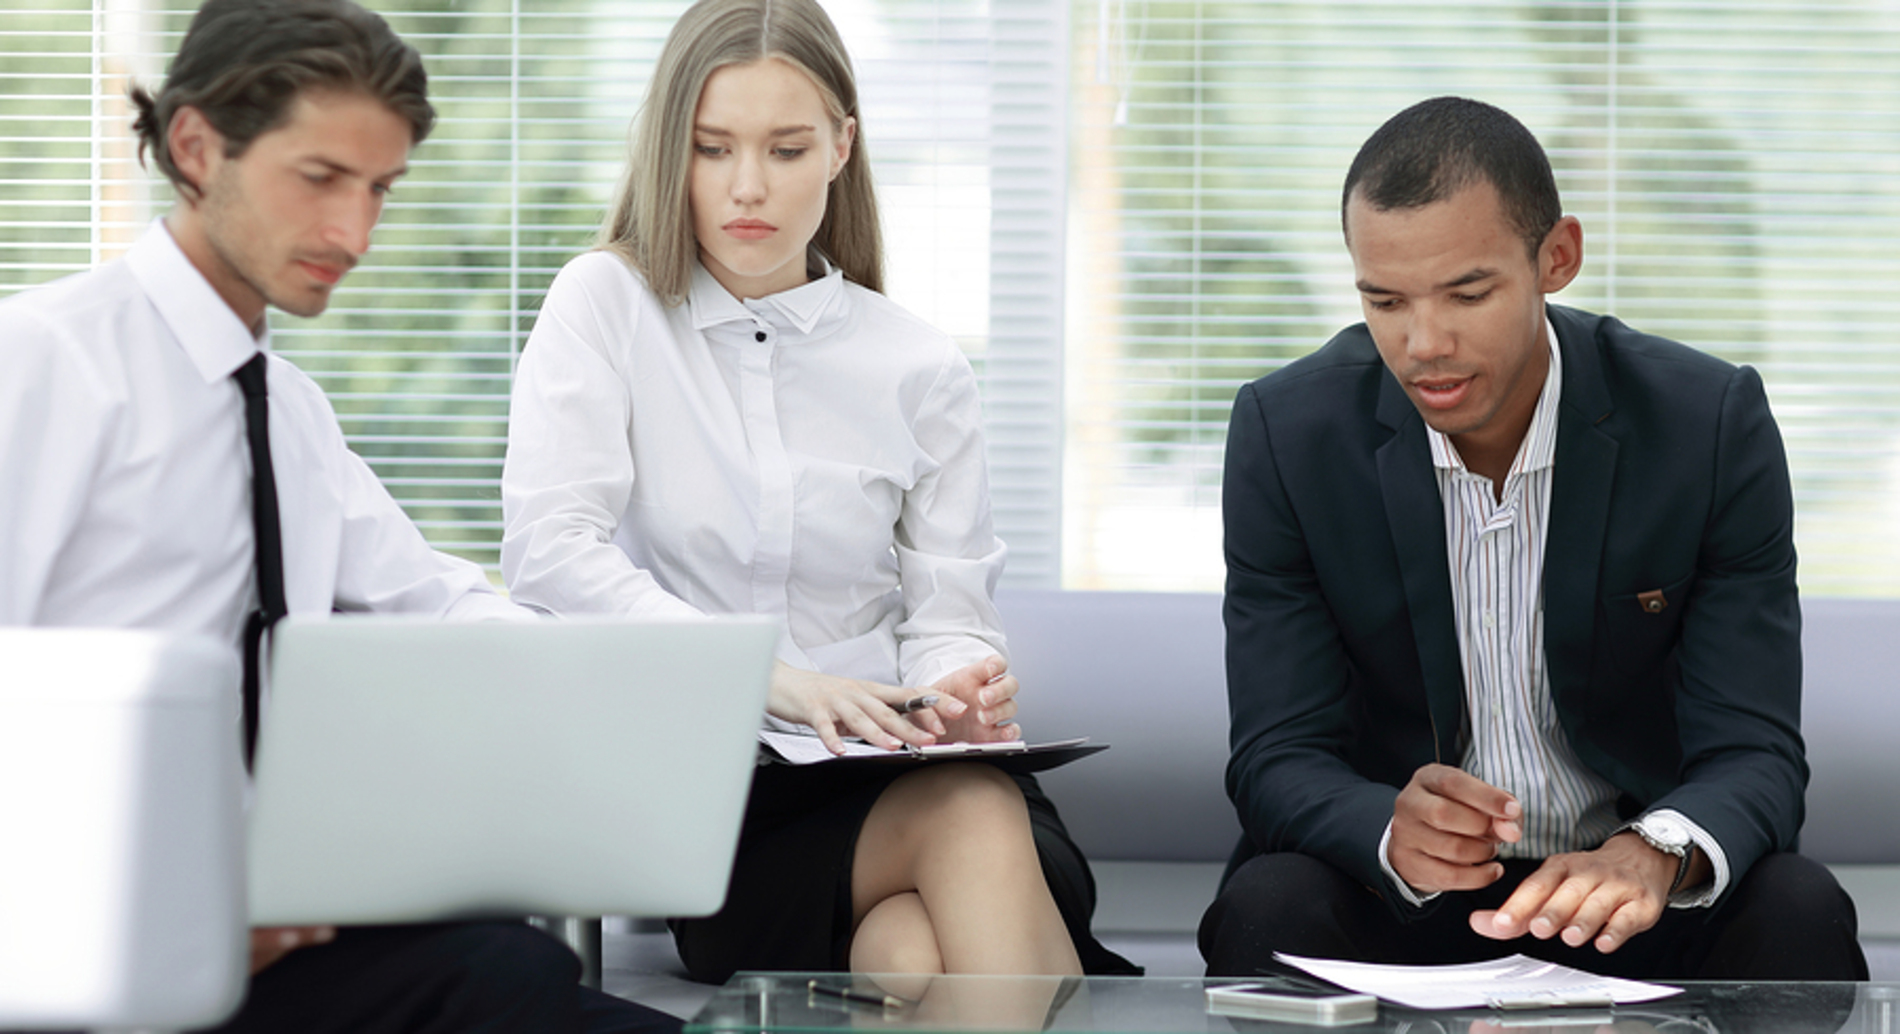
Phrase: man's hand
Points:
(1446, 828)
(1607, 896)
(271, 943)
(988, 698)
(838, 707)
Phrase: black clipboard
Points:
(1017, 758)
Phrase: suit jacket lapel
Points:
(1579, 507)
(1416, 516)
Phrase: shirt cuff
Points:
(1405, 890)
(1702, 897)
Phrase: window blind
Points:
(535, 98)
(1733, 164)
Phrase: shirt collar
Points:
(1538, 450)
(802, 308)
(213, 337)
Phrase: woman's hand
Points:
(839, 707)
(988, 695)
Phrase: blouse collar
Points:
(806, 309)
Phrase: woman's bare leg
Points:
(946, 879)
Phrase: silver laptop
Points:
(412, 770)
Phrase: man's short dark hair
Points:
(1436, 148)
(243, 63)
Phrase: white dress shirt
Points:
(1494, 545)
(126, 498)
(816, 455)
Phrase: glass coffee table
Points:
(786, 1002)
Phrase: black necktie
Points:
(270, 546)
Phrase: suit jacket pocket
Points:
(1643, 626)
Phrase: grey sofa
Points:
(1144, 672)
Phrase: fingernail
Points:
(1512, 809)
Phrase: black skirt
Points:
(788, 906)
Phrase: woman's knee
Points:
(963, 795)
(896, 936)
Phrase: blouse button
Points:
(760, 336)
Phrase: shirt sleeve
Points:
(54, 426)
(383, 564)
(1410, 896)
(949, 558)
(1710, 893)
(569, 473)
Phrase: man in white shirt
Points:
(1513, 640)
(128, 496)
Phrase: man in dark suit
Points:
(1513, 640)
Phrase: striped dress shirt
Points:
(1494, 542)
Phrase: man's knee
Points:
(504, 968)
(1279, 902)
(494, 978)
(1793, 889)
(1788, 919)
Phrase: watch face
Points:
(1665, 832)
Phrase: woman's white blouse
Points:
(816, 455)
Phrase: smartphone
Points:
(1292, 1002)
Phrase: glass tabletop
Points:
(814, 1002)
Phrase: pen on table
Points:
(917, 703)
(860, 997)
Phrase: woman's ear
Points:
(841, 150)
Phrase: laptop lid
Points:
(411, 770)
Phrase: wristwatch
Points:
(1669, 836)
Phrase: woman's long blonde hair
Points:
(651, 222)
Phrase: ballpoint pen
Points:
(885, 1001)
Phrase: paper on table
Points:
(1516, 982)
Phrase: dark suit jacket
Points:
(1343, 667)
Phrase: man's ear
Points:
(1560, 258)
(196, 150)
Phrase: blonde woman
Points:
(719, 412)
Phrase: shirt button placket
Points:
(771, 564)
